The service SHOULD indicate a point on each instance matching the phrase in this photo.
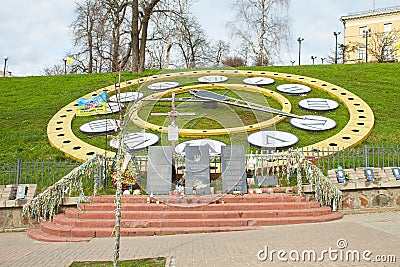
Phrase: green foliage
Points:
(28, 103)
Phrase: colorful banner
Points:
(92, 106)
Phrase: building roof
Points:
(371, 13)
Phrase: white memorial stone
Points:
(318, 104)
(100, 126)
(126, 97)
(161, 86)
(272, 139)
(293, 89)
(258, 81)
(113, 107)
(214, 146)
(213, 79)
(313, 123)
(136, 141)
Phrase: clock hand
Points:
(204, 94)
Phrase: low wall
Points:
(11, 218)
(360, 195)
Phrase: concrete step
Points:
(57, 233)
(189, 214)
(89, 233)
(109, 207)
(38, 234)
(139, 218)
(247, 198)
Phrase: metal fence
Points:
(378, 156)
(42, 173)
(46, 173)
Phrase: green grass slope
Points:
(28, 103)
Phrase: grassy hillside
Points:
(28, 103)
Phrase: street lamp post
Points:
(293, 61)
(313, 59)
(322, 60)
(65, 65)
(336, 44)
(5, 66)
(300, 40)
(367, 33)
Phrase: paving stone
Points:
(377, 232)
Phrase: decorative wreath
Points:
(128, 177)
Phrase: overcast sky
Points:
(36, 34)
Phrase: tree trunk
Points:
(135, 36)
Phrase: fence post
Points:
(103, 174)
(18, 176)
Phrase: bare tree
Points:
(53, 70)
(218, 52)
(192, 41)
(141, 15)
(89, 14)
(262, 26)
(383, 45)
(112, 34)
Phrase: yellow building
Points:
(372, 36)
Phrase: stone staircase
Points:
(180, 216)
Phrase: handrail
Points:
(326, 192)
(45, 205)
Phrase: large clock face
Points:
(296, 87)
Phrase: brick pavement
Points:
(377, 232)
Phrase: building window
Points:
(363, 30)
(387, 27)
(387, 53)
(361, 53)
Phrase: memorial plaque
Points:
(233, 169)
(396, 173)
(340, 176)
(159, 170)
(21, 191)
(197, 170)
(369, 173)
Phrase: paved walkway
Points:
(376, 232)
